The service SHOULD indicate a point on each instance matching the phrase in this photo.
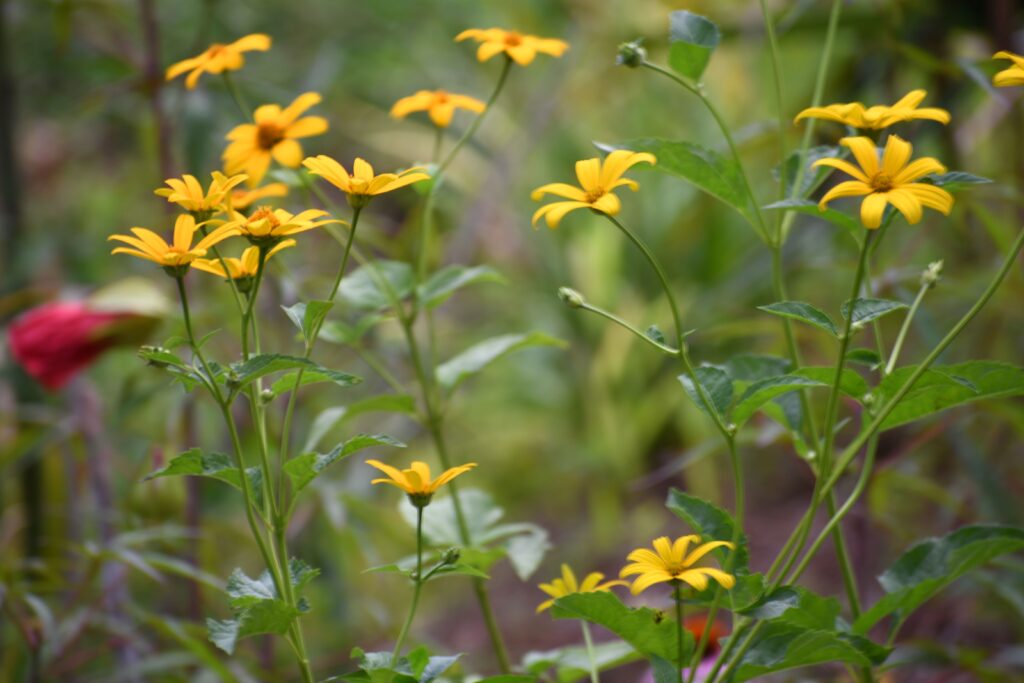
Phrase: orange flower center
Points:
(881, 182)
(215, 49)
(440, 97)
(675, 568)
(594, 195)
(268, 135)
(513, 39)
(266, 214)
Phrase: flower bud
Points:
(451, 556)
(571, 297)
(266, 396)
(631, 54)
(932, 274)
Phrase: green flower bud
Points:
(571, 297)
(451, 556)
(631, 54)
(932, 274)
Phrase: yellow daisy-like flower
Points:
(597, 181)
(672, 563)
(239, 268)
(879, 116)
(272, 135)
(218, 58)
(268, 226)
(891, 182)
(148, 245)
(188, 193)
(439, 104)
(1014, 75)
(567, 585)
(416, 481)
(520, 48)
(361, 184)
(243, 199)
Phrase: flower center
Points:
(675, 568)
(215, 49)
(881, 182)
(440, 97)
(359, 185)
(513, 39)
(593, 195)
(268, 135)
(263, 218)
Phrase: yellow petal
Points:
(288, 153)
(395, 474)
(844, 166)
(931, 196)
(441, 114)
(608, 204)
(253, 41)
(298, 107)
(554, 213)
(647, 580)
(850, 188)
(918, 168)
(871, 210)
(896, 155)
(588, 172)
(307, 126)
(559, 190)
(906, 203)
(865, 152)
(705, 548)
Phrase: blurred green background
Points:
(583, 441)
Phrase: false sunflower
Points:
(439, 104)
(361, 184)
(188, 193)
(888, 182)
(180, 253)
(218, 58)
(567, 585)
(519, 47)
(242, 199)
(416, 481)
(879, 116)
(272, 135)
(597, 182)
(242, 268)
(268, 226)
(671, 562)
(1014, 75)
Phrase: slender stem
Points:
(680, 659)
(438, 141)
(901, 337)
(418, 585)
(237, 96)
(591, 654)
(777, 78)
(622, 323)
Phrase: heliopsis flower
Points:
(879, 116)
(268, 226)
(187, 193)
(416, 481)
(180, 252)
(218, 58)
(1014, 75)
(891, 182)
(361, 184)
(597, 180)
(440, 104)
(243, 199)
(672, 563)
(272, 135)
(242, 268)
(567, 585)
(519, 47)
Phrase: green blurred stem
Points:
(237, 96)
(901, 337)
(608, 315)
(438, 142)
(417, 588)
(677, 595)
(591, 654)
(777, 78)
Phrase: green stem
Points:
(237, 96)
(418, 581)
(680, 659)
(622, 323)
(777, 78)
(901, 337)
(591, 654)
(438, 141)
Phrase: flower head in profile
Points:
(674, 562)
(519, 47)
(416, 481)
(597, 182)
(361, 184)
(267, 226)
(1013, 75)
(188, 193)
(218, 58)
(242, 199)
(439, 104)
(567, 585)
(890, 181)
(879, 116)
(242, 270)
(272, 135)
(180, 253)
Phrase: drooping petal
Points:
(288, 153)
(441, 114)
(727, 581)
(394, 473)
(559, 190)
(842, 165)
(488, 50)
(694, 578)
(849, 188)
(918, 168)
(871, 210)
(703, 549)
(645, 581)
(554, 213)
(906, 203)
(608, 204)
(931, 196)
(523, 54)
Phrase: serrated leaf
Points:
(308, 316)
(717, 385)
(372, 286)
(479, 356)
(763, 391)
(303, 469)
(263, 364)
(850, 383)
(449, 279)
(572, 663)
(266, 616)
(195, 463)
(711, 523)
(804, 312)
(748, 367)
(865, 310)
(692, 38)
(779, 646)
(160, 356)
(322, 374)
(954, 179)
(796, 606)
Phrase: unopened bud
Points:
(932, 274)
(631, 54)
(266, 396)
(451, 556)
(571, 297)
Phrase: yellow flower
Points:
(672, 563)
(243, 199)
(892, 182)
(567, 585)
(181, 252)
(519, 47)
(879, 116)
(267, 225)
(187, 193)
(1014, 75)
(362, 183)
(438, 103)
(416, 481)
(218, 58)
(239, 268)
(597, 180)
(272, 136)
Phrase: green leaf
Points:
(931, 565)
(796, 606)
(449, 279)
(747, 590)
(264, 364)
(692, 38)
(779, 646)
(195, 463)
(864, 356)
(812, 177)
(339, 332)
(866, 310)
(572, 663)
(287, 382)
(851, 383)
(479, 356)
(947, 386)
(308, 316)
(711, 523)
(717, 385)
(955, 179)
(304, 468)
(334, 416)
(649, 632)
(748, 367)
(507, 678)
(804, 312)
(159, 356)
(267, 616)
(371, 287)
(806, 206)
(763, 391)
(654, 333)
